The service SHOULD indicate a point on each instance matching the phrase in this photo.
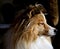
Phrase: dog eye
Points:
(41, 23)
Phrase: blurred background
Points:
(9, 8)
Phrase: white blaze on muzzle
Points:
(51, 31)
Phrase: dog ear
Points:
(31, 9)
(36, 9)
(41, 8)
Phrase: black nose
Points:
(55, 30)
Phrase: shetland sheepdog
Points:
(30, 30)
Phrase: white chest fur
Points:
(39, 43)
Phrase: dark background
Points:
(8, 10)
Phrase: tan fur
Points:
(27, 28)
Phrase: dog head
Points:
(32, 23)
(37, 21)
(39, 26)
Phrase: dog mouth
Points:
(51, 33)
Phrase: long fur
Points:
(29, 30)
